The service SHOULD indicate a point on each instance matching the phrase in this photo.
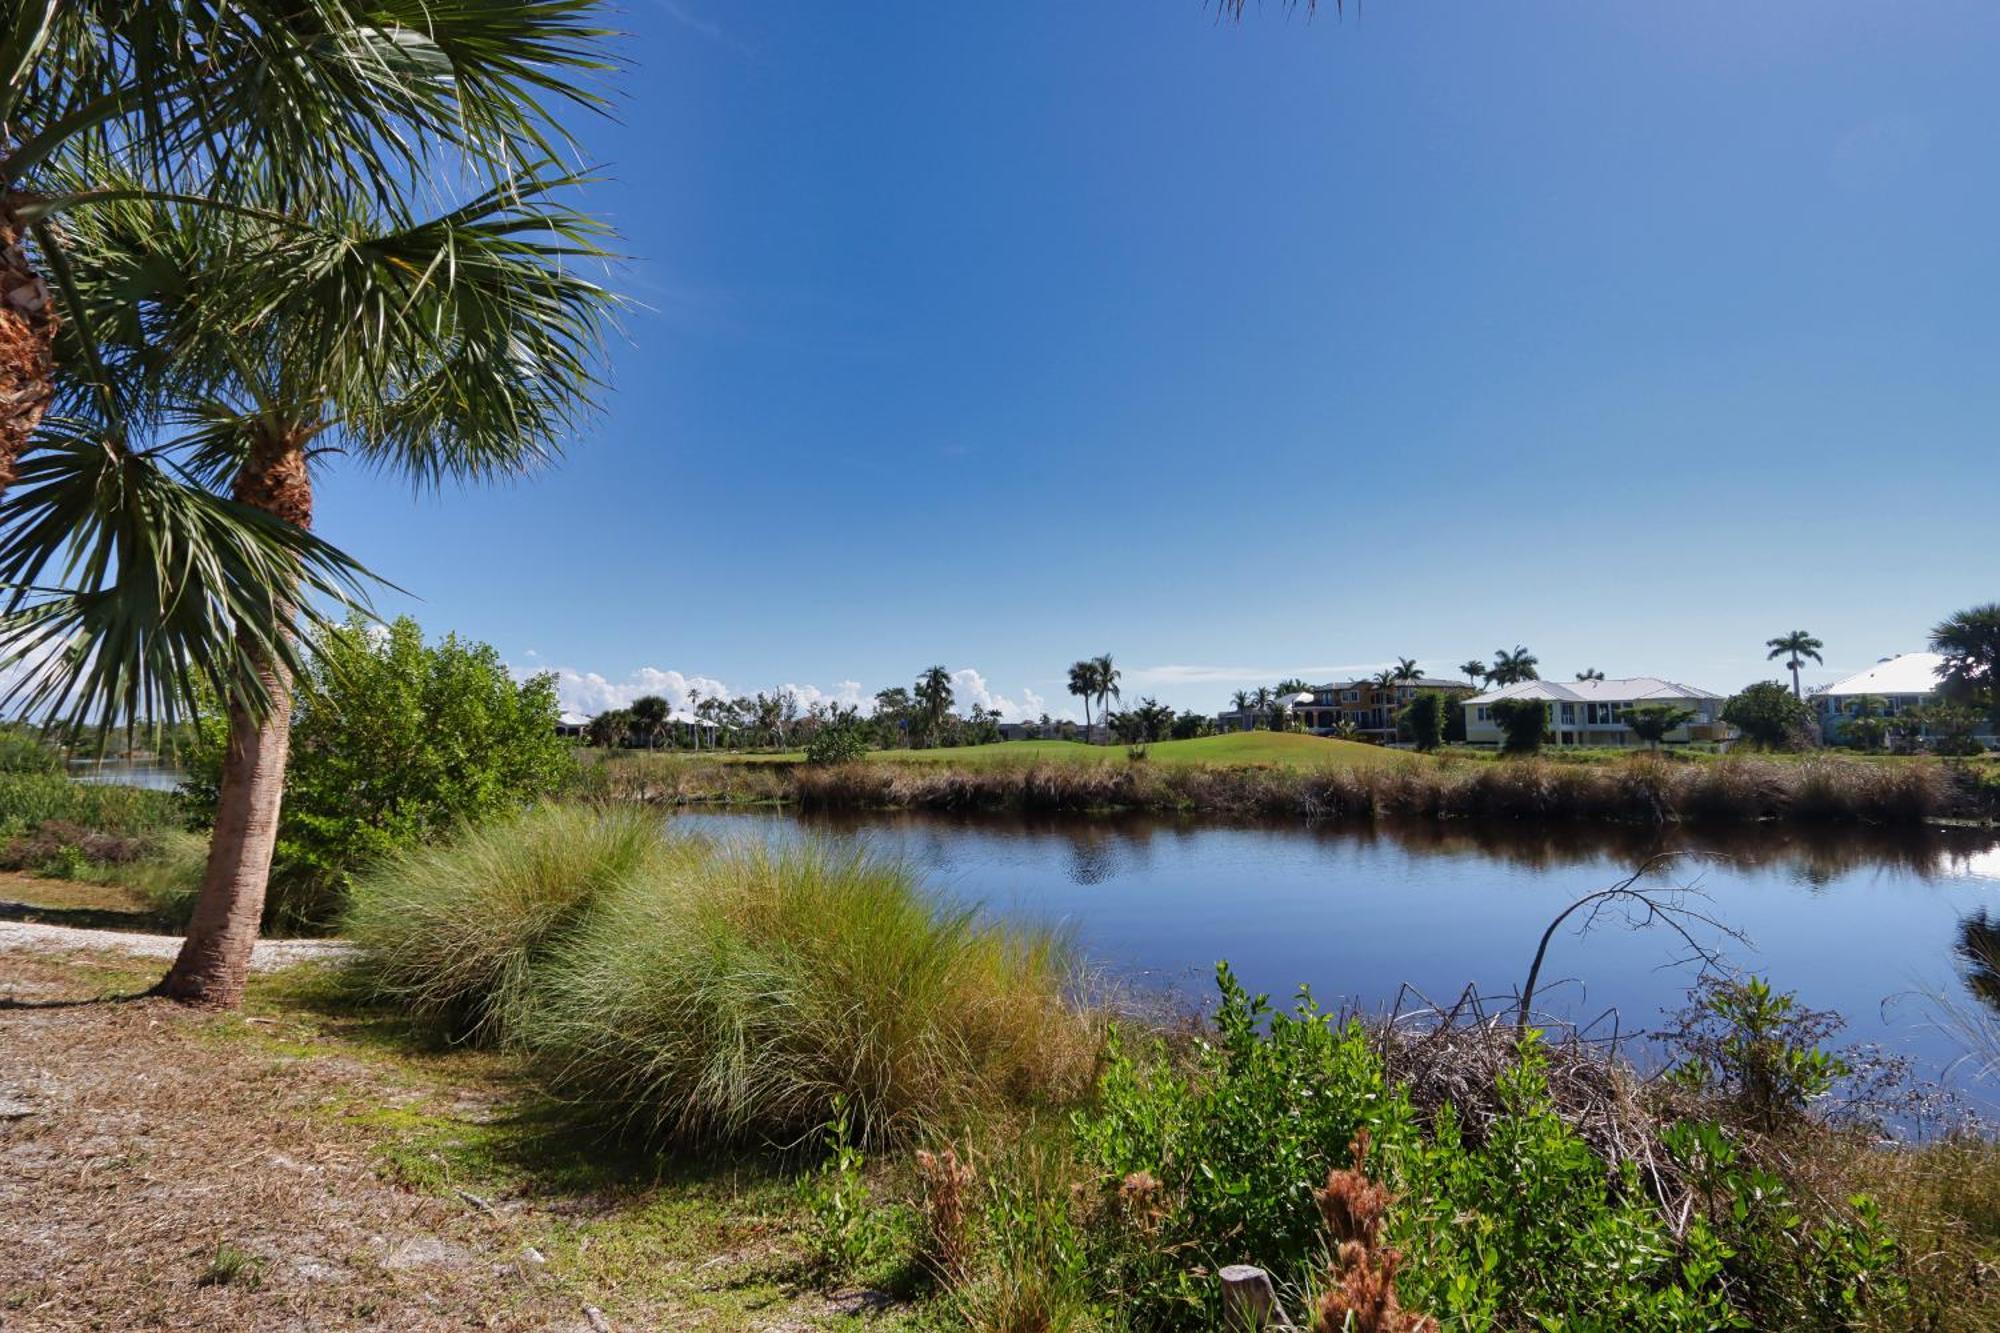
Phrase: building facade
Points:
(1892, 687)
(1592, 712)
(1324, 710)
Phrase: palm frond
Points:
(133, 591)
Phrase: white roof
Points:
(1629, 689)
(572, 719)
(1906, 673)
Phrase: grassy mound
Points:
(706, 993)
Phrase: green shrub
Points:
(456, 933)
(1770, 715)
(394, 742)
(1524, 724)
(1422, 722)
(22, 751)
(1215, 1159)
(28, 800)
(844, 742)
(705, 993)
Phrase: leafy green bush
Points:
(28, 800)
(22, 751)
(394, 742)
(1760, 1049)
(1215, 1160)
(838, 743)
(1524, 724)
(1770, 715)
(707, 993)
(1422, 721)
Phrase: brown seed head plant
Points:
(1360, 1295)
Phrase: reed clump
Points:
(695, 992)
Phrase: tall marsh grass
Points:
(28, 799)
(707, 993)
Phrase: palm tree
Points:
(1796, 646)
(1083, 683)
(1590, 673)
(934, 698)
(650, 718)
(1969, 641)
(1385, 682)
(1515, 667)
(1407, 670)
(455, 348)
(1106, 676)
(1240, 700)
(257, 108)
(1475, 671)
(1293, 685)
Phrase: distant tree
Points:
(893, 716)
(1513, 668)
(650, 719)
(1590, 673)
(1261, 699)
(1407, 670)
(1106, 677)
(1240, 700)
(841, 738)
(934, 700)
(1770, 716)
(1385, 682)
(1795, 647)
(1969, 641)
(1524, 724)
(1190, 725)
(1475, 672)
(1293, 686)
(610, 728)
(1651, 722)
(1950, 728)
(1083, 684)
(1423, 720)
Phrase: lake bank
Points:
(1643, 789)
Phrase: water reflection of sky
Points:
(1871, 925)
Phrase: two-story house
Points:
(1592, 712)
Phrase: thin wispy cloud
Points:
(707, 27)
(1184, 674)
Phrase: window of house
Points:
(1484, 714)
(1569, 714)
(1350, 696)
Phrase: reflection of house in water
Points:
(1979, 949)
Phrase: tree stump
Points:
(1249, 1302)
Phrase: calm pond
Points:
(1871, 924)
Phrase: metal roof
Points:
(1905, 673)
(1628, 689)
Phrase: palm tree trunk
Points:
(214, 961)
(27, 344)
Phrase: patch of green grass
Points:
(232, 1266)
(28, 799)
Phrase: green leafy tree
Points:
(1949, 728)
(1651, 722)
(1866, 726)
(1969, 642)
(1511, 668)
(1795, 648)
(841, 739)
(1423, 720)
(1524, 724)
(393, 742)
(1190, 725)
(894, 716)
(1770, 716)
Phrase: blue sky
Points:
(995, 336)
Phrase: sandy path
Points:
(29, 937)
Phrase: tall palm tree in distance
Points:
(934, 700)
(1475, 671)
(1083, 684)
(1107, 676)
(1795, 647)
(1385, 682)
(1240, 700)
(1407, 671)
(1590, 673)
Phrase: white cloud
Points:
(969, 687)
(589, 692)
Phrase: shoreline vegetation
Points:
(994, 1145)
(1642, 788)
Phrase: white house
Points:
(1897, 684)
(1592, 712)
